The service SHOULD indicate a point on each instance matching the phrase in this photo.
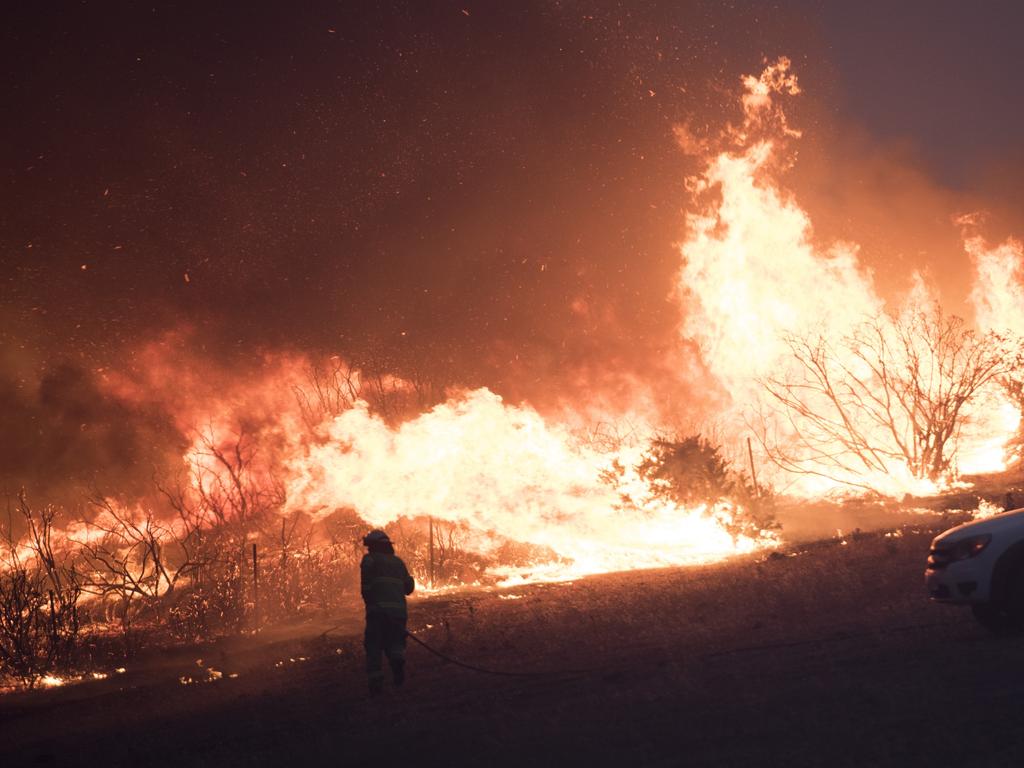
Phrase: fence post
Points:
(53, 626)
(753, 473)
(255, 588)
(431, 552)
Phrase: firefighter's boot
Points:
(398, 670)
(376, 684)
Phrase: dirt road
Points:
(831, 656)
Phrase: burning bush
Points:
(690, 472)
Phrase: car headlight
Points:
(968, 548)
(943, 554)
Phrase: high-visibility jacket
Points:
(385, 581)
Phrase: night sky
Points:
(488, 190)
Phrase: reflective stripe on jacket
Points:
(385, 581)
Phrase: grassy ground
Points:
(827, 654)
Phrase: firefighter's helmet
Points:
(376, 537)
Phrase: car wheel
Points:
(1006, 616)
(995, 618)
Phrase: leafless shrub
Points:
(39, 593)
(452, 560)
(893, 393)
(307, 578)
(331, 388)
(214, 600)
(608, 436)
(133, 561)
(221, 500)
(335, 385)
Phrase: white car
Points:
(981, 564)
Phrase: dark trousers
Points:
(386, 635)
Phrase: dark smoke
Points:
(63, 439)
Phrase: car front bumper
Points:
(965, 581)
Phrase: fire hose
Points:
(482, 670)
(727, 652)
(715, 654)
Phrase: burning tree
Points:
(895, 394)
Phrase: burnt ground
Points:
(828, 655)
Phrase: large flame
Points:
(998, 291)
(750, 273)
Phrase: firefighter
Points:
(385, 581)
